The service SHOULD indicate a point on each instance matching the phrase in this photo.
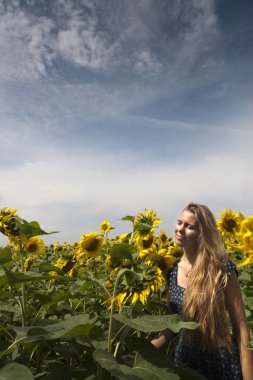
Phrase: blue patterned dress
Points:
(218, 365)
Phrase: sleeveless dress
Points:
(218, 365)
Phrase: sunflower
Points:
(145, 244)
(66, 265)
(247, 261)
(163, 259)
(10, 226)
(167, 256)
(8, 218)
(175, 251)
(90, 244)
(245, 243)
(28, 263)
(146, 222)
(229, 223)
(149, 282)
(163, 239)
(56, 247)
(35, 246)
(247, 225)
(105, 227)
(124, 238)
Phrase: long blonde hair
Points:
(204, 300)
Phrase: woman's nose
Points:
(180, 228)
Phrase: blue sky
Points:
(111, 107)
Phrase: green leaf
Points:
(6, 295)
(9, 307)
(3, 280)
(52, 299)
(33, 229)
(249, 302)
(248, 292)
(245, 277)
(154, 323)
(5, 255)
(15, 371)
(121, 252)
(248, 313)
(159, 359)
(46, 268)
(35, 331)
(150, 364)
(75, 326)
(142, 226)
(128, 217)
(129, 278)
(142, 370)
(18, 277)
(61, 374)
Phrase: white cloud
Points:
(146, 63)
(81, 43)
(74, 193)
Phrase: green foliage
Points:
(57, 327)
(155, 323)
(121, 252)
(5, 255)
(18, 277)
(128, 217)
(15, 371)
(33, 229)
(149, 364)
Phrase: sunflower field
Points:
(89, 309)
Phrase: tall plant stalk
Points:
(119, 275)
(23, 289)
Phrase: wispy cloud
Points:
(137, 37)
(25, 46)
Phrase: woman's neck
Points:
(189, 256)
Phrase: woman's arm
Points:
(162, 338)
(237, 315)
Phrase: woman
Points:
(203, 287)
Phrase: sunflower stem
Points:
(119, 275)
(23, 290)
(117, 333)
(116, 349)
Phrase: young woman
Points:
(203, 287)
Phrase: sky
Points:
(108, 108)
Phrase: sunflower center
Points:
(32, 248)
(90, 244)
(147, 220)
(147, 243)
(163, 238)
(104, 227)
(229, 224)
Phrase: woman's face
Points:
(186, 230)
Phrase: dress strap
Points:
(230, 266)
